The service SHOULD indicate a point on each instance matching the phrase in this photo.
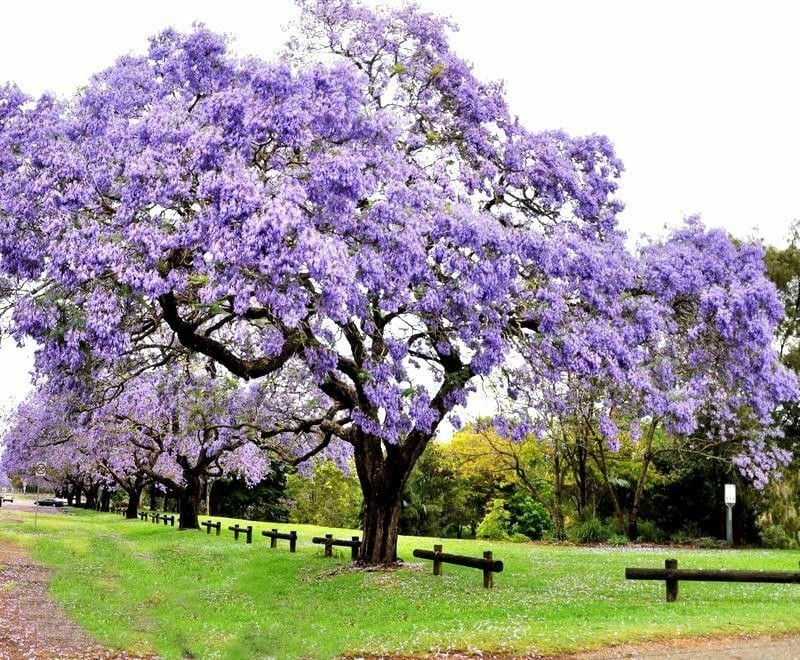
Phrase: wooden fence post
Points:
(273, 540)
(328, 545)
(437, 564)
(293, 541)
(672, 583)
(355, 547)
(488, 581)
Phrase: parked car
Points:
(51, 501)
(6, 497)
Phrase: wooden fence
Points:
(672, 575)
(247, 531)
(487, 563)
(328, 541)
(211, 525)
(274, 535)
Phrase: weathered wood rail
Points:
(211, 525)
(488, 564)
(248, 531)
(672, 575)
(274, 535)
(328, 541)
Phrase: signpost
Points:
(40, 471)
(730, 500)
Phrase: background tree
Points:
(699, 316)
(780, 506)
(265, 500)
(437, 500)
(492, 467)
(41, 431)
(324, 495)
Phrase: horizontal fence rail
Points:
(274, 535)
(487, 563)
(672, 575)
(247, 531)
(211, 525)
(354, 543)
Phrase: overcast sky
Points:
(699, 97)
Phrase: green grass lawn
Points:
(146, 587)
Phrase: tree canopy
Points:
(366, 207)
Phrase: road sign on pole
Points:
(40, 470)
(730, 500)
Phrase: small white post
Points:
(730, 501)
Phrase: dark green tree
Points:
(264, 501)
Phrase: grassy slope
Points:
(189, 593)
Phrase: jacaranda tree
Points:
(363, 204)
(176, 425)
(42, 430)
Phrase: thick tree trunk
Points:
(381, 515)
(153, 496)
(91, 496)
(105, 500)
(189, 501)
(383, 470)
(134, 497)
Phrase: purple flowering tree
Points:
(176, 426)
(685, 345)
(193, 426)
(40, 430)
(363, 206)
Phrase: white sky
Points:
(700, 97)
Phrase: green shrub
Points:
(648, 532)
(591, 530)
(518, 537)
(708, 542)
(681, 537)
(618, 539)
(495, 523)
(687, 534)
(775, 537)
(528, 516)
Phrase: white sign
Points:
(730, 494)
(41, 469)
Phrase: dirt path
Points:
(32, 626)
